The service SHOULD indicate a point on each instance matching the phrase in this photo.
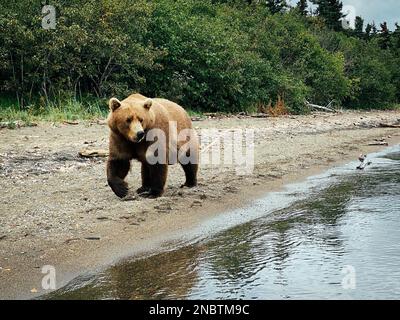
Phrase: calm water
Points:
(289, 245)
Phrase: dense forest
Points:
(227, 55)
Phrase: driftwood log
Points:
(328, 108)
(94, 153)
(73, 123)
(379, 143)
(386, 125)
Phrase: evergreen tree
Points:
(302, 7)
(331, 12)
(395, 60)
(359, 27)
(384, 36)
(368, 31)
(396, 37)
(374, 29)
(276, 6)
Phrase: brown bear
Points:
(133, 124)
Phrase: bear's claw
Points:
(143, 190)
(188, 185)
(152, 193)
(119, 188)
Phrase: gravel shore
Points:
(57, 209)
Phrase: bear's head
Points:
(131, 118)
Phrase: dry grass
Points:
(276, 110)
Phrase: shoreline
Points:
(73, 256)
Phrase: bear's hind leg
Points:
(190, 174)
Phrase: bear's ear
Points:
(114, 104)
(148, 103)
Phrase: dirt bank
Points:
(56, 208)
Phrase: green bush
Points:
(98, 47)
(207, 55)
(368, 68)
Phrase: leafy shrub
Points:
(207, 55)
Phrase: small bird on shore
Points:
(362, 158)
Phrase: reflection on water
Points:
(298, 252)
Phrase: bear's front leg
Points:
(146, 179)
(117, 170)
(159, 174)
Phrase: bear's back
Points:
(175, 113)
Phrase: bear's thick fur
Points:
(130, 121)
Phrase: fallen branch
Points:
(73, 123)
(99, 153)
(5, 125)
(259, 115)
(16, 124)
(379, 143)
(315, 106)
(386, 125)
(211, 114)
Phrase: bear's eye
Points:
(140, 120)
(129, 120)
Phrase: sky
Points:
(373, 10)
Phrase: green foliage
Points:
(216, 60)
(206, 65)
(216, 55)
(95, 48)
(368, 68)
(395, 60)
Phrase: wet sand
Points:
(56, 208)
